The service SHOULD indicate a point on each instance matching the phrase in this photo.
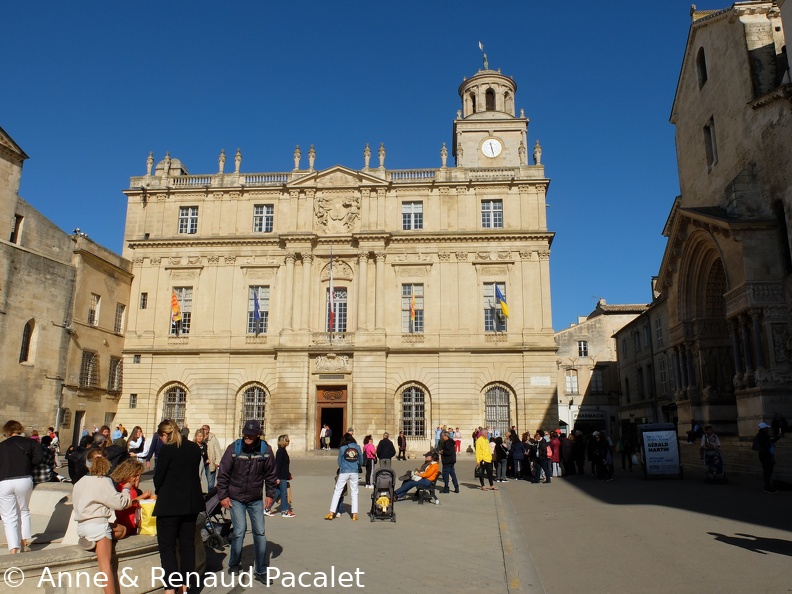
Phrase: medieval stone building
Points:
(363, 297)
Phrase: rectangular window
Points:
(184, 296)
(118, 327)
(116, 376)
(640, 381)
(596, 381)
(89, 370)
(647, 336)
(258, 326)
(659, 331)
(492, 214)
(582, 348)
(263, 218)
(710, 145)
(16, 232)
(143, 300)
(494, 320)
(663, 376)
(136, 359)
(636, 342)
(412, 309)
(337, 321)
(624, 347)
(93, 310)
(412, 216)
(133, 401)
(572, 381)
(188, 219)
(671, 377)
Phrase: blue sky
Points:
(90, 88)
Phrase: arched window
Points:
(27, 337)
(497, 410)
(473, 102)
(508, 103)
(783, 236)
(175, 405)
(490, 97)
(701, 67)
(253, 405)
(413, 421)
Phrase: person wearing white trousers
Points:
(350, 458)
(18, 456)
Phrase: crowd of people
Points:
(106, 468)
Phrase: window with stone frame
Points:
(143, 300)
(659, 331)
(583, 348)
(27, 337)
(410, 325)
(339, 319)
(492, 214)
(261, 293)
(263, 218)
(254, 405)
(174, 405)
(494, 320)
(89, 369)
(413, 421)
(571, 377)
(184, 295)
(93, 309)
(412, 216)
(596, 385)
(133, 399)
(116, 376)
(710, 144)
(497, 409)
(663, 373)
(118, 326)
(188, 220)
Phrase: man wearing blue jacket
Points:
(350, 460)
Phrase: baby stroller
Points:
(216, 527)
(384, 495)
(713, 467)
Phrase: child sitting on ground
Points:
(127, 474)
(94, 499)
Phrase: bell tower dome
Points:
(487, 129)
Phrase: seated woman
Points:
(127, 476)
(424, 478)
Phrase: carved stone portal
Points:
(333, 363)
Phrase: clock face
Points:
(491, 148)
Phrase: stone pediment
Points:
(336, 177)
(7, 143)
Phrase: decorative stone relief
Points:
(175, 261)
(781, 342)
(444, 256)
(310, 193)
(411, 271)
(504, 255)
(341, 270)
(333, 363)
(179, 275)
(257, 273)
(494, 271)
(162, 197)
(526, 255)
(155, 261)
(213, 259)
(483, 255)
(217, 195)
(337, 212)
(332, 394)
(234, 195)
(461, 256)
(137, 261)
(230, 259)
(194, 260)
(544, 255)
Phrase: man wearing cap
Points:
(765, 445)
(424, 478)
(246, 472)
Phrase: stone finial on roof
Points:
(443, 156)
(366, 157)
(381, 154)
(297, 157)
(237, 160)
(311, 158)
(149, 163)
(221, 162)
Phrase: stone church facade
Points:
(406, 332)
(726, 275)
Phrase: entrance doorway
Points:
(77, 430)
(331, 403)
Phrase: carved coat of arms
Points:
(337, 213)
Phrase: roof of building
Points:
(8, 144)
(621, 308)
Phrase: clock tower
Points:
(487, 131)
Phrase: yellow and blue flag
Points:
(502, 300)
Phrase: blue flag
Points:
(256, 311)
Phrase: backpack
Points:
(238, 449)
(351, 455)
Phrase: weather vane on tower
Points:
(486, 62)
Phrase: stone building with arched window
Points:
(387, 300)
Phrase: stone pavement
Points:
(464, 543)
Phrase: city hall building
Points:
(372, 298)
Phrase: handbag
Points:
(478, 472)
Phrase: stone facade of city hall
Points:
(418, 336)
